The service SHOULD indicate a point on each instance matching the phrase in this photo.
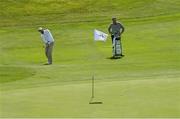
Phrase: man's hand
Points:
(47, 45)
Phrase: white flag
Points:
(100, 36)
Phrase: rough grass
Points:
(35, 12)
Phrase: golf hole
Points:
(95, 102)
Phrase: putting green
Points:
(144, 83)
(134, 98)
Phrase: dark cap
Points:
(113, 18)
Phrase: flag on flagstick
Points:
(100, 36)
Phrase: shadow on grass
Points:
(115, 58)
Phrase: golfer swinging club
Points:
(116, 29)
(49, 43)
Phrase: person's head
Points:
(41, 30)
(114, 20)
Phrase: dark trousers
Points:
(112, 37)
(48, 52)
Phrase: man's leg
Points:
(112, 37)
(46, 50)
(49, 53)
(114, 46)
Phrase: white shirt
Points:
(47, 36)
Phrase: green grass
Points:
(144, 83)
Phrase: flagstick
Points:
(93, 90)
(93, 86)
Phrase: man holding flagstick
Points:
(116, 29)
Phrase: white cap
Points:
(40, 29)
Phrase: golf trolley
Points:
(117, 47)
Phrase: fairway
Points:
(144, 83)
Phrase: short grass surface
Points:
(144, 83)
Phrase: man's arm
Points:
(43, 39)
(109, 29)
(122, 28)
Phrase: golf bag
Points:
(117, 47)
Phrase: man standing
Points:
(49, 43)
(116, 29)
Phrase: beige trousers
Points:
(48, 52)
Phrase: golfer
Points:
(116, 29)
(49, 43)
